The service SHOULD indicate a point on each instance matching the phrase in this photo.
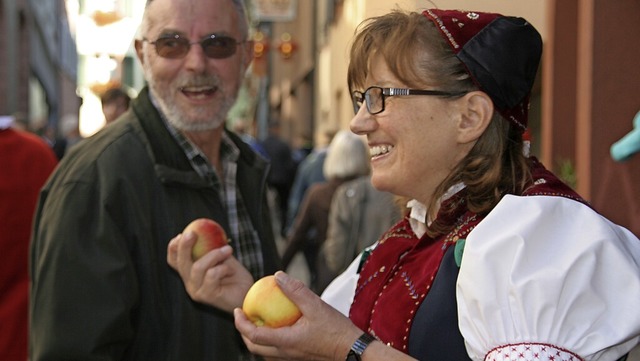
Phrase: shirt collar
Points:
(418, 214)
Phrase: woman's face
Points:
(413, 141)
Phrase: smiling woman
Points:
(495, 257)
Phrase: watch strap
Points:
(359, 346)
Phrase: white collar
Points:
(418, 215)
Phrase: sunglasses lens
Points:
(219, 47)
(172, 48)
(215, 47)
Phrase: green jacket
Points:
(101, 286)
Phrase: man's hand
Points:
(217, 279)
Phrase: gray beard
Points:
(176, 117)
(180, 121)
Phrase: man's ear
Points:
(138, 45)
(248, 53)
(476, 114)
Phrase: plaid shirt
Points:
(244, 238)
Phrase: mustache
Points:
(198, 80)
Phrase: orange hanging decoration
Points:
(260, 54)
(260, 45)
(287, 46)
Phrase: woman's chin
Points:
(381, 183)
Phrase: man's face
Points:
(195, 92)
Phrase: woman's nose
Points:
(362, 123)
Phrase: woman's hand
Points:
(217, 279)
(322, 333)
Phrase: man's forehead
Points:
(204, 16)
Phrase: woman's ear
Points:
(476, 114)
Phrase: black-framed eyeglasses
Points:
(214, 46)
(374, 97)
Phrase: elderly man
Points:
(101, 287)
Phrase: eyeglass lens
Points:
(214, 46)
(373, 97)
(357, 99)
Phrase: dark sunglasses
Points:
(214, 46)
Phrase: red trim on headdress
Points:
(458, 27)
(501, 54)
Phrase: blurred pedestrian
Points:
(282, 172)
(115, 101)
(49, 134)
(241, 128)
(303, 146)
(347, 159)
(308, 172)
(359, 215)
(70, 129)
(26, 162)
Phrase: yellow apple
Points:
(209, 235)
(266, 305)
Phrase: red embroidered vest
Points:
(397, 276)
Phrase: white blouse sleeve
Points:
(340, 292)
(547, 278)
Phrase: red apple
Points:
(209, 235)
(266, 305)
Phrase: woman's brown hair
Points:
(418, 55)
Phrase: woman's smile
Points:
(379, 150)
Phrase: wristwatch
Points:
(358, 347)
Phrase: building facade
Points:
(38, 62)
